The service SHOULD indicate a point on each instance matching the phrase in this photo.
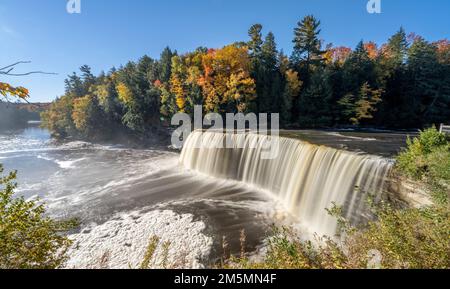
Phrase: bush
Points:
(439, 163)
(28, 239)
(427, 159)
(402, 239)
(405, 239)
(414, 162)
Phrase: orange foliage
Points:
(8, 90)
(372, 49)
(157, 83)
(338, 54)
(443, 50)
(226, 78)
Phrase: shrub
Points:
(427, 159)
(29, 239)
(411, 238)
(414, 161)
(403, 239)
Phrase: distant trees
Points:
(17, 115)
(404, 83)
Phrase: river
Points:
(124, 196)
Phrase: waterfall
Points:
(306, 178)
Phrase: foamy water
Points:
(122, 242)
(124, 196)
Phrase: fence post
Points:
(445, 129)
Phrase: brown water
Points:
(98, 183)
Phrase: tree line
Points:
(17, 115)
(404, 83)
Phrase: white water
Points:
(122, 242)
(124, 196)
(306, 178)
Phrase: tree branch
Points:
(28, 73)
(11, 67)
(15, 64)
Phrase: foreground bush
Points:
(28, 239)
(399, 239)
(427, 159)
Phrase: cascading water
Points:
(307, 178)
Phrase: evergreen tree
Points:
(257, 70)
(403, 84)
(74, 86)
(291, 91)
(316, 101)
(430, 84)
(270, 86)
(358, 69)
(307, 46)
(255, 43)
(306, 58)
(166, 65)
(87, 77)
(397, 48)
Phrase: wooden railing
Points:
(445, 129)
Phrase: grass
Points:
(150, 252)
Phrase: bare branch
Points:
(28, 73)
(12, 66)
(15, 64)
(11, 69)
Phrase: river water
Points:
(125, 196)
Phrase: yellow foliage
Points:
(101, 91)
(20, 92)
(176, 87)
(232, 59)
(293, 81)
(80, 109)
(178, 65)
(125, 94)
(240, 89)
(194, 74)
(226, 78)
(58, 118)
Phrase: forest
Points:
(401, 84)
(17, 115)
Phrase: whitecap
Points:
(68, 164)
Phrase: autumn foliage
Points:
(403, 83)
(9, 90)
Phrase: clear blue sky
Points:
(111, 32)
